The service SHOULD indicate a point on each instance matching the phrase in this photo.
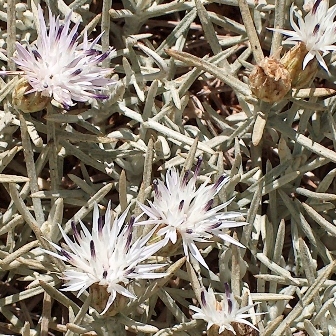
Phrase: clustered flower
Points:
(107, 256)
(317, 31)
(59, 67)
(313, 37)
(221, 313)
(183, 210)
(110, 257)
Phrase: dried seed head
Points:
(28, 102)
(270, 80)
(293, 61)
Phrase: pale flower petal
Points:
(57, 66)
(107, 256)
(221, 313)
(183, 210)
(317, 30)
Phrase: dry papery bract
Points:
(182, 90)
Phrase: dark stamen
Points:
(103, 56)
(229, 306)
(66, 254)
(59, 32)
(215, 226)
(130, 271)
(219, 181)
(37, 55)
(101, 96)
(76, 72)
(155, 187)
(315, 6)
(92, 249)
(100, 224)
(208, 205)
(129, 233)
(228, 296)
(131, 223)
(91, 52)
(181, 205)
(74, 39)
(203, 301)
(198, 166)
(227, 289)
(65, 105)
(185, 178)
(316, 29)
(75, 231)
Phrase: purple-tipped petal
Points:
(99, 257)
(52, 62)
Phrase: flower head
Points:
(317, 30)
(60, 67)
(221, 314)
(107, 256)
(183, 210)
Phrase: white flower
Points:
(58, 66)
(107, 256)
(182, 209)
(317, 30)
(222, 313)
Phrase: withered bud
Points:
(269, 80)
(293, 62)
(28, 102)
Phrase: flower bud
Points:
(293, 62)
(169, 249)
(100, 296)
(239, 328)
(269, 80)
(28, 102)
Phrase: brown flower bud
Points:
(293, 62)
(269, 80)
(28, 102)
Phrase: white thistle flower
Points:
(60, 67)
(317, 30)
(182, 209)
(107, 256)
(223, 313)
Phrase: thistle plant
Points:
(221, 315)
(184, 211)
(57, 66)
(124, 98)
(107, 256)
(316, 31)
